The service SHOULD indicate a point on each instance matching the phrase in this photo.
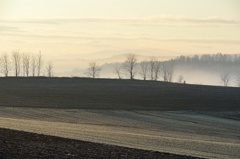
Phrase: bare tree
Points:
(157, 70)
(16, 57)
(93, 70)
(143, 69)
(33, 64)
(168, 71)
(152, 64)
(5, 64)
(180, 79)
(49, 69)
(39, 63)
(117, 70)
(225, 78)
(26, 64)
(130, 65)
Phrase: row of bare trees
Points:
(152, 69)
(24, 64)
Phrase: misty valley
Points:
(119, 79)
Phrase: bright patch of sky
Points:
(66, 30)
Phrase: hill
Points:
(114, 94)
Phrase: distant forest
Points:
(221, 69)
(216, 69)
(209, 59)
(225, 66)
(221, 63)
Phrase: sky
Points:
(69, 32)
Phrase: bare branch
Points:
(168, 71)
(117, 70)
(16, 57)
(33, 64)
(26, 64)
(39, 63)
(152, 64)
(5, 64)
(225, 78)
(130, 65)
(157, 70)
(143, 69)
(180, 79)
(93, 70)
(49, 69)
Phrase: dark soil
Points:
(85, 93)
(19, 144)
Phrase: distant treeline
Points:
(24, 64)
(221, 63)
(210, 59)
(226, 66)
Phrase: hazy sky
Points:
(66, 30)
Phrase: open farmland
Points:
(115, 94)
(191, 120)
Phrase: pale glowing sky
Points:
(67, 30)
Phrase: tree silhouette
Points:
(152, 63)
(225, 78)
(168, 71)
(16, 57)
(39, 61)
(26, 64)
(157, 70)
(117, 70)
(5, 64)
(130, 65)
(143, 69)
(180, 79)
(93, 70)
(33, 64)
(49, 69)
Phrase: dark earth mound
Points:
(86, 93)
(19, 144)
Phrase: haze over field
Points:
(74, 33)
(120, 78)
